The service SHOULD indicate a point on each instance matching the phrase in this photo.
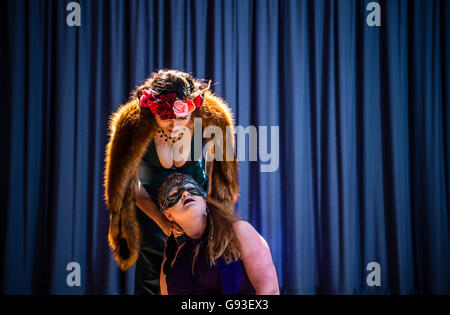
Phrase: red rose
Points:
(168, 106)
(147, 98)
(166, 113)
(155, 107)
(198, 101)
(168, 100)
(190, 105)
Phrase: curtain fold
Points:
(363, 149)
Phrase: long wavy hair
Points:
(221, 239)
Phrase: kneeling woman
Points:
(219, 254)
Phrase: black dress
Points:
(151, 175)
(206, 279)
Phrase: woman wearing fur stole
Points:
(150, 137)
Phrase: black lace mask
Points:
(173, 188)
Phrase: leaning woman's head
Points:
(173, 97)
(181, 198)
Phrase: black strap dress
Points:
(203, 278)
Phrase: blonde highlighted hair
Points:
(222, 241)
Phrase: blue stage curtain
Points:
(364, 140)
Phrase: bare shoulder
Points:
(242, 226)
(245, 230)
(253, 244)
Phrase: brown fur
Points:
(131, 130)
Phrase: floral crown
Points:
(168, 106)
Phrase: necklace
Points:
(169, 138)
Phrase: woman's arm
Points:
(146, 204)
(162, 277)
(257, 260)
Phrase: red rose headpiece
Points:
(168, 106)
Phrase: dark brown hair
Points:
(167, 81)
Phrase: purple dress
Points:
(221, 278)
